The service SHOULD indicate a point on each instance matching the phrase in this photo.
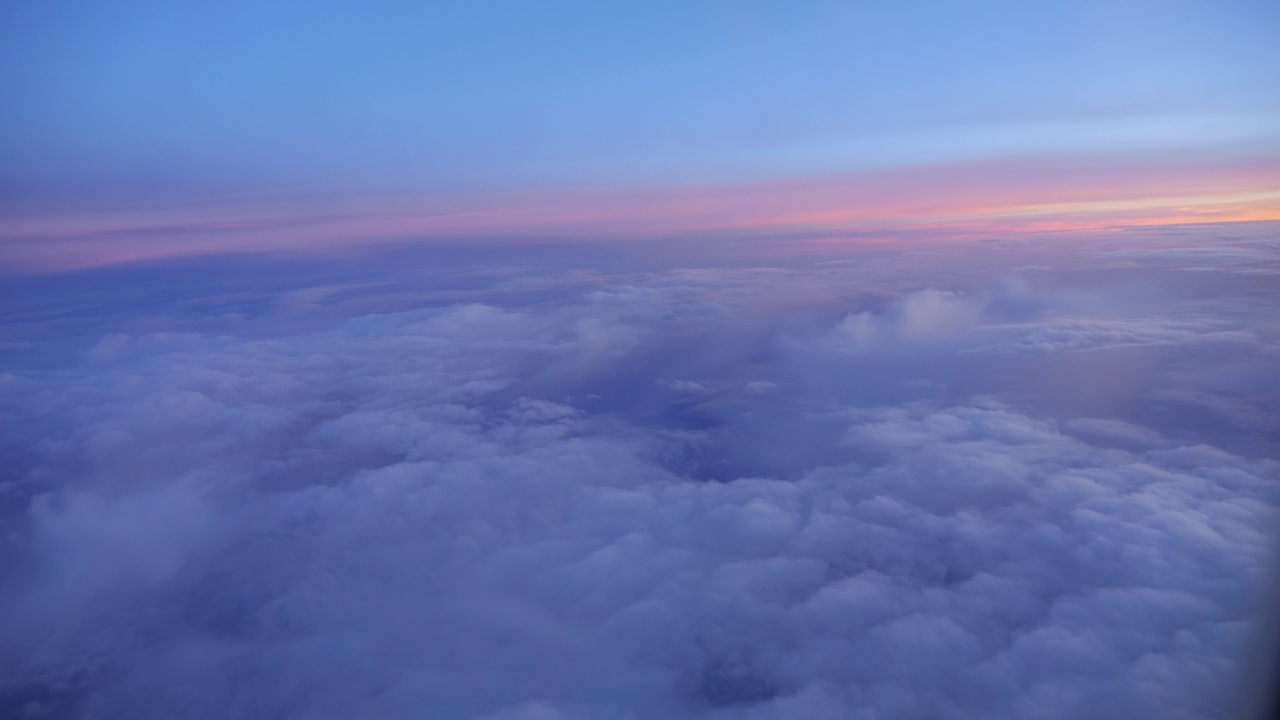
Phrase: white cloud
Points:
(478, 512)
(923, 316)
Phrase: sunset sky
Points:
(664, 360)
(393, 121)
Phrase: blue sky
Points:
(483, 94)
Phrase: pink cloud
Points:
(1051, 194)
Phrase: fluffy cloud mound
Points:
(478, 512)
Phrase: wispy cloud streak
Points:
(1008, 197)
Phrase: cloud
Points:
(1077, 335)
(643, 500)
(923, 316)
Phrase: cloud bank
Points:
(826, 492)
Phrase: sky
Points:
(680, 360)
(453, 113)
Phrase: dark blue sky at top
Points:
(484, 93)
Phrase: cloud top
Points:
(644, 500)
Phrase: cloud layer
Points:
(724, 493)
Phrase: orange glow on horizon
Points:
(961, 200)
